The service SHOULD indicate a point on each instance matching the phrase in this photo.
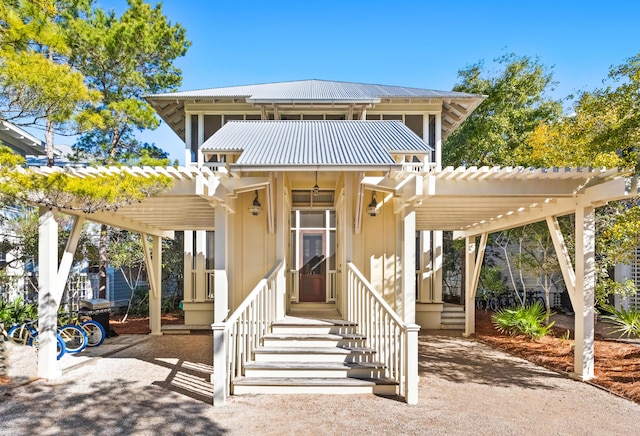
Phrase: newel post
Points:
(219, 376)
(412, 379)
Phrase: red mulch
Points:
(140, 326)
(617, 364)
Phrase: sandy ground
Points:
(161, 386)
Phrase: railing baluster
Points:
(245, 328)
(385, 331)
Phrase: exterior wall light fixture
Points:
(255, 208)
(316, 188)
(372, 209)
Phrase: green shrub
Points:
(17, 312)
(626, 322)
(529, 320)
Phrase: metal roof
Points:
(329, 143)
(317, 91)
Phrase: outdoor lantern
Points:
(255, 208)
(372, 209)
(316, 188)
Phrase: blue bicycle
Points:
(27, 334)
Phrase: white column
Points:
(584, 292)
(201, 255)
(438, 141)
(347, 243)
(188, 158)
(408, 269)
(282, 235)
(219, 376)
(425, 285)
(155, 296)
(189, 294)
(47, 304)
(469, 301)
(436, 273)
(412, 378)
(200, 139)
(220, 278)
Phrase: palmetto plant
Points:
(625, 322)
(528, 320)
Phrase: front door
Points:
(314, 267)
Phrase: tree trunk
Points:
(4, 353)
(49, 143)
(102, 262)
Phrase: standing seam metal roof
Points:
(315, 142)
(316, 90)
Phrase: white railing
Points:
(418, 167)
(396, 344)
(235, 339)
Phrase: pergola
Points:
(472, 202)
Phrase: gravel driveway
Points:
(160, 386)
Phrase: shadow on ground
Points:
(448, 356)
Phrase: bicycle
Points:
(27, 334)
(94, 330)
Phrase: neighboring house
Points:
(311, 195)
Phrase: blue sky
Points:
(411, 43)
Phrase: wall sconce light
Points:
(255, 208)
(372, 209)
(316, 188)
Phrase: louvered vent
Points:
(305, 198)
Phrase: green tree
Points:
(37, 85)
(603, 129)
(516, 104)
(123, 58)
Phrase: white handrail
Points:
(235, 339)
(395, 343)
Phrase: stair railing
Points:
(236, 338)
(396, 343)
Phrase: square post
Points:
(584, 293)
(436, 272)
(282, 234)
(47, 303)
(219, 376)
(408, 268)
(220, 278)
(412, 379)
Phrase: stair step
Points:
(312, 340)
(313, 326)
(312, 354)
(452, 326)
(314, 369)
(315, 385)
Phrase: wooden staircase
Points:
(314, 356)
(452, 317)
